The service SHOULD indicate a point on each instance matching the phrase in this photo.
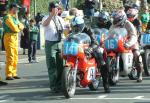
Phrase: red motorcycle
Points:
(79, 69)
(119, 60)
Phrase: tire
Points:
(146, 62)
(114, 73)
(133, 74)
(95, 84)
(68, 83)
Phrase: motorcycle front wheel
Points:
(68, 82)
(146, 62)
(114, 73)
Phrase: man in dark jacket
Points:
(89, 7)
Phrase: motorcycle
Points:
(119, 59)
(145, 43)
(79, 69)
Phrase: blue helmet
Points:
(77, 24)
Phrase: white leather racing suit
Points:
(132, 43)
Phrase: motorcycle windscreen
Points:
(117, 33)
(73, 41)
(100, 34)
(80, 38)
(145, 39)
(114, 36)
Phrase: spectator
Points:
(33, 36)
(38, 18)
(1, 82)
(53, 28)
(145, 19)
(73, 12)
(12, 26)
(65, 15)
(89, 7)
(25, 34)
(1, 33)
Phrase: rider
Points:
(104, 20)
(132, 15)
(120, 20)
(78, 26)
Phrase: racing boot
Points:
(139, 69)
(139, 75)
(105, 77)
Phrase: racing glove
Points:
(89, 51)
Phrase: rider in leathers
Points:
(79, 26)
(132, 15)
(120, 20)
(104, 20)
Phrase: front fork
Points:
(118, 62)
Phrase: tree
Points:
(144, 4)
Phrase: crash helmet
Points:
(132, 14)
(103, 17)
(119, 17)
(77, 24)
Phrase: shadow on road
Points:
(32, 96)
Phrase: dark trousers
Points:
(54, 63)
(102, 67)
(32, 50)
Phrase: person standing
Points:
(33, 37)
(145, 17)
(12, 26)
(90, 7)
(25, 34)
(53, 28)
(1, 33)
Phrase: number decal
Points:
(91, 73)
(145, 39)
(70, 48)
(111, 44)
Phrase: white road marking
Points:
(3, 101)
(139, 97)
(102, 96)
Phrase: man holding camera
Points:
(53, 29)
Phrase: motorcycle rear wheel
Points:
(95, 84)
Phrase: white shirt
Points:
(50, 30)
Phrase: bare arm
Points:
(47, 21)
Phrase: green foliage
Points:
(110, 5)
(41, 6)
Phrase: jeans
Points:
(32, 50)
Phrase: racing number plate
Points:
(111, 44)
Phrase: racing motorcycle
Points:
(79, 69)
(145, 43)
(119, 59)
